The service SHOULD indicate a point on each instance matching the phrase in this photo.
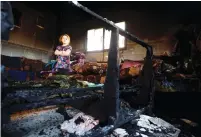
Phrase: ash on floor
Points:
(146, 126)
(48, 124)
(43, 124)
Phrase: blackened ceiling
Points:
(57, 7)
(189, 10)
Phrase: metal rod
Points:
(121, 31)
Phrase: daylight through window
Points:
(95, 38)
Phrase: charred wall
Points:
(34, 33)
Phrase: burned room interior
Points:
(100, 69)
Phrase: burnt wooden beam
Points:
(111, 87)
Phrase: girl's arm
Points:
(57, 52)
(66, 53)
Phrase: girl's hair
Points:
(60, 38)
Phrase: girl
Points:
(63, 54)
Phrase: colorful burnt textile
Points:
(78, 58)
(131, 71)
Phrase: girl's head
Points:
(64, 39)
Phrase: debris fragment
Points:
(137, 134)
(154, 124)
(193, 124)
(143, 135)
(119, 132)
(79, 124)
(142, 129)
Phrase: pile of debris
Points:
(144, 126)
(52, 123)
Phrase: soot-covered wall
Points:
(27, 39)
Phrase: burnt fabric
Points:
(78, 77)
(129, 63)
(96, 72)
(90, 69)
(56, 81)
(161, 67)
(130, 72)
(164, 86)
(93, 78)
(88, 78)
(78, 57)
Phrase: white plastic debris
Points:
(156, 124)
(143, 135)
(87, 123)
(151, 131)
(120, 132)
(142, 129)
